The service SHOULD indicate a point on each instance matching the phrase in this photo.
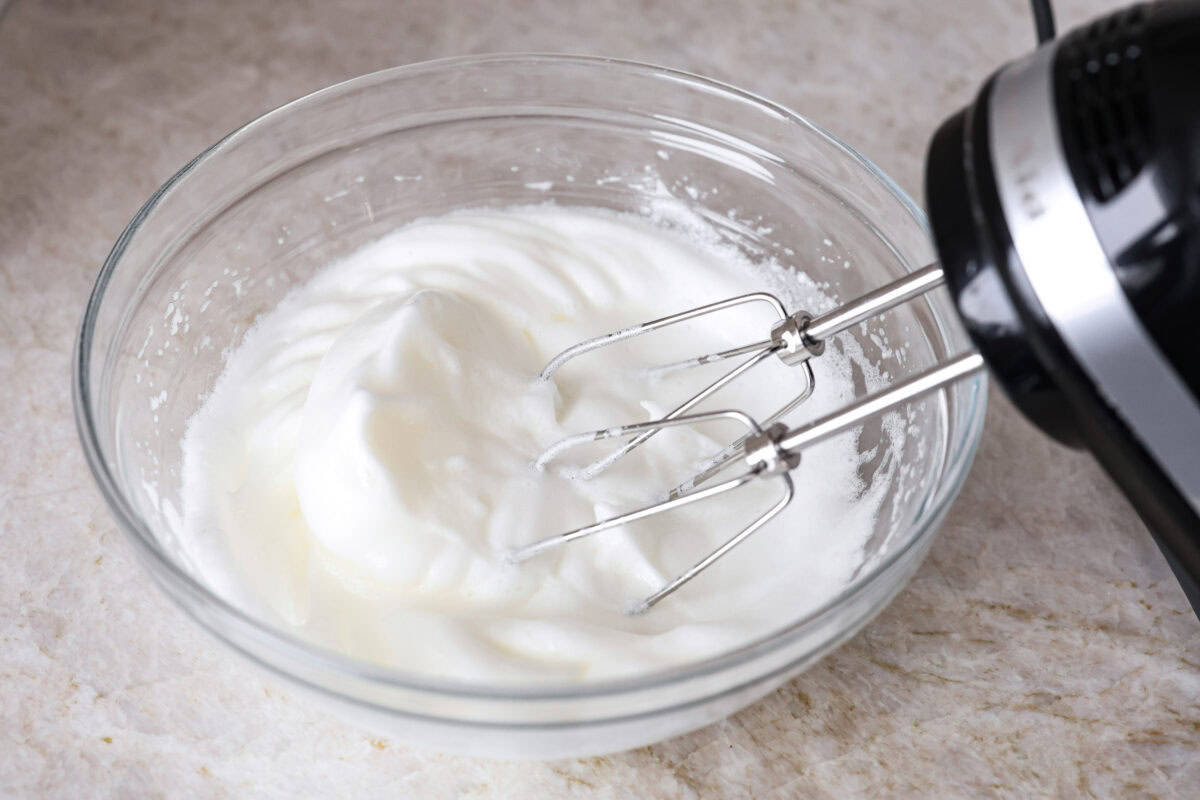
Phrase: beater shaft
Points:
(875, 302)
(900, 393)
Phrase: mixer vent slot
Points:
(1105, 97)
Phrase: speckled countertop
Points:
(1042, 650)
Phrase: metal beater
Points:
(770, 448)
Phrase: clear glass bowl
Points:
(254, 215)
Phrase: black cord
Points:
(1043, 20)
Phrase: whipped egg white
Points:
(366, 461)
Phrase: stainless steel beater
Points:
(770, 448)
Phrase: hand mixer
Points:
(1065, 207)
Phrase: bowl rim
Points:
(293, 647)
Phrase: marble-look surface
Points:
(1042, 650)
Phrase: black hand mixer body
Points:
(1065, 205)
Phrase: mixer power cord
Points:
(1043, 20)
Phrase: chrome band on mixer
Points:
(1051, 231)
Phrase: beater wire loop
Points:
(754, 472)
(710, 559)
(761, 351)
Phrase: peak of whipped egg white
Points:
(366, 459)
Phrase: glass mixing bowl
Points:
(257, 213)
